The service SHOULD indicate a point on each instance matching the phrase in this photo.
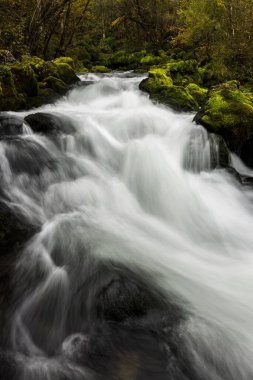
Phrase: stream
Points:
(141, 266)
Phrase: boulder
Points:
(47, 123)
(10, 125)
(197, 92)
(67, 60)
(99, 69)
(66, 73)
(160, 86)
(24, 79)
(14, 230)
(10, 99)
(228, 111)
(55, 84)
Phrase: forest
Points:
(121, 33)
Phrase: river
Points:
(130, 196)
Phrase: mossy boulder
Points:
(10, 99)
(55, 84)
(150, 60)
(65, 72)
(228, 111)
(45, 69)
(99, 69)
(197, 92)
(24, 79)
(161, 88)
(68, 60)
(45, 96)
(184, 72)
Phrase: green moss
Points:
(198, 93)
(83, 69)
(67, 60)
(55, 84)
(99, 69)
(66, 73)
(228, 111)
(150, 60)
(45, 69)
(33, 62)
(7, 81)
(184, 72)
(161, 88)
(24, 79)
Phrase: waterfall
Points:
(127, 194)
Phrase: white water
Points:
(134, 184)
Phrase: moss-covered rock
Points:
(228, 111)
(65, 72)
(45, 69)
(24, 79)
(99, 69)
(10, 99)
(55, 84)
(68, 60)
(161, 88)
(197, 92)
(184, 72)
(45, 96)
(150, 60)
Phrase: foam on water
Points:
(134, 185)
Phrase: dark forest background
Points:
(110, 32)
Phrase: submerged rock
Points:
(228, 111)
(10, 125)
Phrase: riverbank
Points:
(33, 82)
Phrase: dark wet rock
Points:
(235, 174)
(28, 156)
(124, 298)
(49, 123)
(24, 79)
(9, 369)
(10, 125)
(246, 151)
(14, 230)
(220, 155)
(247, 181)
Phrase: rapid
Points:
(131, 189)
